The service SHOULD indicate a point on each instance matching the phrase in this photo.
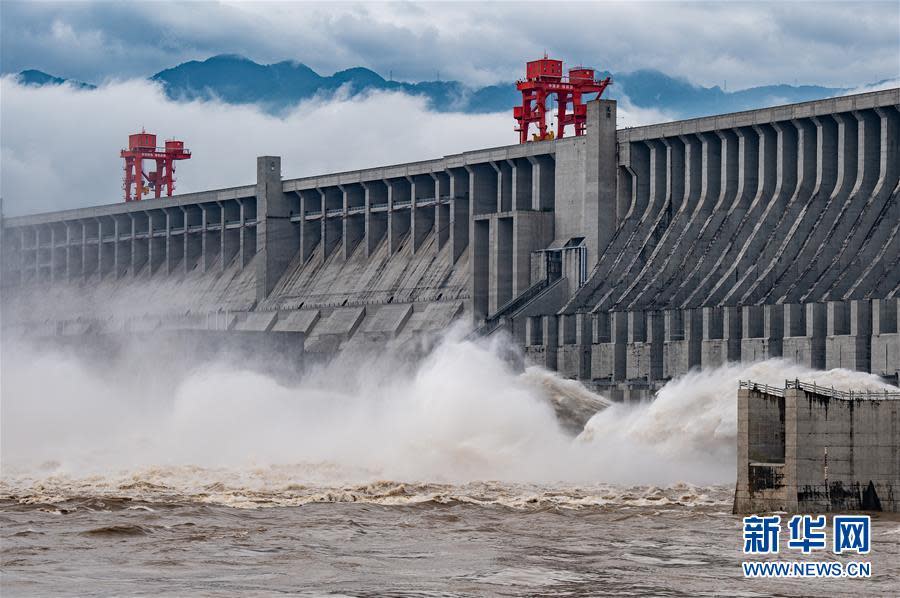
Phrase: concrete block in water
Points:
(811, 449)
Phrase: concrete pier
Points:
(803, 448)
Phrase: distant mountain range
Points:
(40, 78)
(276, 87)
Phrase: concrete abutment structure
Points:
(808, 449)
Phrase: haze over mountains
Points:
(276, 87)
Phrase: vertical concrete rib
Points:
(224, 247)
(881, 272)
(648, 167)
(422, 217)
(134, 263)
(816, 230)
(479, 268)
(675, 179)
(207, 252)
(711, 181)
(702, 161)
(730, 168)
(53, 258)
(778, 173)
(640, 165)
(501, 262)
(777, 243)
(376, 195)
(871, 218)
(246, 252)
(460, 212)
(122, 255)
(684, 150)
(701, 227)
(747, 149)
(644, 293)
(326, 234)
(817, 155)
(748, 167)
(441, 214)
(278, 240)
(628, 281)
(671, 219)
(857, 181)
(69, 250)
(856, 209)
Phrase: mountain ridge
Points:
(277, 87)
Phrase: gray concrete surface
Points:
(808, 449)
(738, 237)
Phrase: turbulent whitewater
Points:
(461, 415)
(455, 472)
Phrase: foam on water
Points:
(458, 417)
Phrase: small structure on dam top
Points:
(623, 258)
(142, 146)
(804, 448)
(544, 79)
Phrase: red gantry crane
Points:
(142, 146)
(543, 79)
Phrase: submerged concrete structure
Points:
(808, 449)
(623, 258)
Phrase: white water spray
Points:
(461, 415)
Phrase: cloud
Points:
(60, 146)
(834, 43)
(882, 85)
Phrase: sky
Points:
(838, 44)
(59, 146)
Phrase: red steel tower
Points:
(142, 146)
(543, 79)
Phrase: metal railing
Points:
(764, 388)
(846, 395)
(822, 391)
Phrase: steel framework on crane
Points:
(142, 146)
(543, 79)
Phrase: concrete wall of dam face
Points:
(768, 233)
(641, 350)
(806, 449)
(461, 235)
(623, 258)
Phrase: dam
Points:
(623, 257)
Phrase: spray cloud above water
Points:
(462, 414)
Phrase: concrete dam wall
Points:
(808, 449)
(622, 257)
